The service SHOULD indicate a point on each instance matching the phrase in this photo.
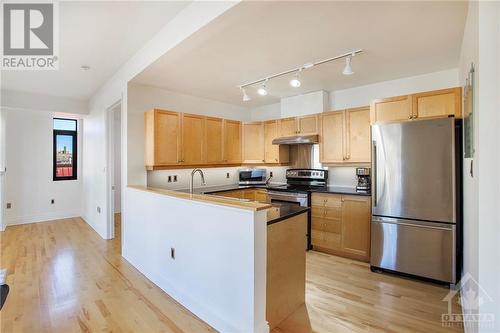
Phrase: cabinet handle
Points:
(276, 159)
(410, 117)
(414, 116)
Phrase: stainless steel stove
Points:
(299, 184)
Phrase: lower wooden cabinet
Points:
(341, 225)
(252, 194)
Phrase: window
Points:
(65, 149)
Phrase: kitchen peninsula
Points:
(257, 254)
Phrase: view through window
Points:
(65, 149)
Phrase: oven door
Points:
(288, 197)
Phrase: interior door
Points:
(414, 170)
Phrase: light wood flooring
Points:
(65, 278)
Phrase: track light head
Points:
(348, 68)
(246, 98)
(262, 90)
(295, 82)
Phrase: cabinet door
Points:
(308, 124)
(253, 143)
(261, 196)
(193, 134)
(391, 109)
(166, 138)
(356, 218)
(232, 141)
(288, 127)
(274, 153)
(332, 137)
(439, 103)
(358, 137)
(214, 140)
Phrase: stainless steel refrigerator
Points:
(416, 206)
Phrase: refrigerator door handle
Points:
(425, 226)
(374, 171)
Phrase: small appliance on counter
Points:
(364, 181)
(252, 176)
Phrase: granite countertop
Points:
(280, 212)
(232, 187)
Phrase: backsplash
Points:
(213, 177)
(342, 176)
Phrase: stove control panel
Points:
(307, 174)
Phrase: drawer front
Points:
(325, 239)
(333, 213)
(328, 200)
(322, 224)
(317, 211)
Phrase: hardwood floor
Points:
(65, 278)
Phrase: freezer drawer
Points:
(419, 248)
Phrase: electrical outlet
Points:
(99, 209)
(9, 205)
(227, 175)
(52, 201)
(172, 253)
(169, 179)
(270, 173)
(175, 178)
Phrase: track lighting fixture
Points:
(262, 90)
(295, 81)
(246, 98)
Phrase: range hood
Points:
(297, 140)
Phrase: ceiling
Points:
(256, 39)
(102, 35)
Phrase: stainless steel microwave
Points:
(252, 176)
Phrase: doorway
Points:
(114, 129)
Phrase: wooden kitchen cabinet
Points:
(308, 124)
(193, 139)
(287, 126)
(346, 137)
(253, 143)
(274, 153)
(340, 225)
(232, 142)
(162, 138)
(358, 136)
(429, 104)
(214, 138)
(438, 103)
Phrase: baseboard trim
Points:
(40, 218)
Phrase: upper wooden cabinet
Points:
(299, 125)
(253, 143)
(287, 126)
(308, 124)
(162, 138)
(391, 109)
(214, 139)
(438, 103)
(358, 136)
(345, 136)
(232, 142)
(174, 139)
(332, 137)
(193, 139)
(274, 153)
(430, 104)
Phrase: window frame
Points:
(74, 136)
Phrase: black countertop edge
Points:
(233, 187)
(288, 211)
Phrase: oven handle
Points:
(289, 195)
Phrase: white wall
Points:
(266, 112)
(222, 278)
(469, 54)
(188, 21)
(29, 162)
(2, 168)
(37, 102)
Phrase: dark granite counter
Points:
(340, 190)
(280, 212)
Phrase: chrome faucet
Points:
(192, 176)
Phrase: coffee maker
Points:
(364, 182)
